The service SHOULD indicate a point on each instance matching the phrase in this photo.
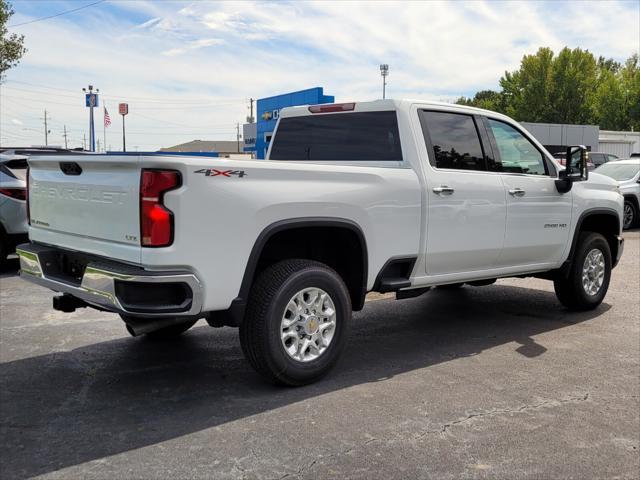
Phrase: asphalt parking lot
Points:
(490, 382)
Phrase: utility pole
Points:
(251, 119)
(65, 137)
(238, 135)
(46, 129)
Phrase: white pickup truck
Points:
(385, 196)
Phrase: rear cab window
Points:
(353, 136)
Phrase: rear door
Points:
(466, 203)
(538, 217)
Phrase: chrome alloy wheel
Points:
(627, 216)
(593, 272)
(308, 324)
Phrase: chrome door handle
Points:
(443, 190)
(517, 192)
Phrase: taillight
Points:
(17, 193)
(332, 107)
(156, 221)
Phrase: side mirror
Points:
(577, 163)
(576, 168)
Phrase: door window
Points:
(454, 139)
(517, 153)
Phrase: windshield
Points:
(619, 171)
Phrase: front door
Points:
(538, 217)
(466, 203)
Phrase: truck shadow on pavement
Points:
(70, 407)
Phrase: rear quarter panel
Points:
(219, 218)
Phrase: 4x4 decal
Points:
(213, 172)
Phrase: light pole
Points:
(91, 101)
(384, 71)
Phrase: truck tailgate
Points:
(86, 202)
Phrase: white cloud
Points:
(188, 69)
(193, 45)
(15, 121)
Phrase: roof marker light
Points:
(332, 107)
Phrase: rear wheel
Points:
(297, 322)
(630, 216)
(588, 280)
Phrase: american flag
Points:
(107, 118)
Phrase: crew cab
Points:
(386, 196)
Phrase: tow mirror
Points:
(577, 161)
(576, 170)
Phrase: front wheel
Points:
(297, 322)
(588, 280)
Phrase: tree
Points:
(570, 87)
(609, 102)
(630, 91)
(11, 46)
(573, 84)
(529, 89)
(487, 99)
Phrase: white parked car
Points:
(13, 211)
(627, 174)
(386, 196)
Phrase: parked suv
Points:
(384, 196)
(13, 195)
(627, 173)
(598, 158)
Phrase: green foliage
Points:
(11, 46)
(570, 87)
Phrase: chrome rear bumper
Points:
(103, 284)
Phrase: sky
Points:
(188, 69)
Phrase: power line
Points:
(177, 107)
(56, 15)
(116, 96)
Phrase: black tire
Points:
(261, 329)
(4, 250)
(569, 289)
(5, 247)
(628, 204)
(451, 286)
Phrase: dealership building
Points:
(556, 137)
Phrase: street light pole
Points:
(91, 102)
(384, 71)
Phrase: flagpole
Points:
(104, 127)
